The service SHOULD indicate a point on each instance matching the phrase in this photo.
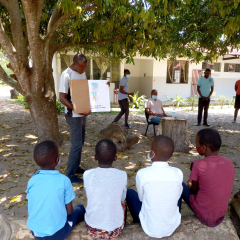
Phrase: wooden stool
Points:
(177, 130)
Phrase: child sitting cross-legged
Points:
(211, 180)
(156, 205)
(51, 215)
(105, 188)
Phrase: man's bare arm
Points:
(63, 99)
(193, 186)
(122, 91)
(164, 114)
(212, 88)
(69, 208)
(199, 92)
(152, 113)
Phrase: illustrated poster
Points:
(99, 95)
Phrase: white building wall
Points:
(149, 73)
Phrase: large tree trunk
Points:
(177, 130)
(44, 114)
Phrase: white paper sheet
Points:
(99, 95)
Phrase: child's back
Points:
(48, 192)
(105, 189)
(215, 175)
(50, 196)
(159, 189)
(156, 205)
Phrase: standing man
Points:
(123, 98)
(237, 100)
(76, 121)
(205, 87)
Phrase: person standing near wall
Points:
(237, 100)
(123, 95)
(205, 86)
(76, 121)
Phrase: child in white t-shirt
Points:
(106, 188)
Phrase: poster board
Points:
(99, 95)
(88, 94)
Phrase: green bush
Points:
(138, 102)
(231, 102)
(178, 100)
(221, 100)
(192, 100)
(21, 100)
(59, 106)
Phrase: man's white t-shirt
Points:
(159, 189)
(105, 189)
(155, 106)
(64, 87)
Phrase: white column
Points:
(91, 68)
(54, 66)
(57, 72)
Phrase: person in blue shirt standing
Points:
(205, 86)
(50, 212)
(123, 98)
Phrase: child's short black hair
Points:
(211, 138)
(163, 147)
(45, 153)
(105, 151)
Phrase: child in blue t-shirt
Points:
(50, 196)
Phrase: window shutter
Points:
(217, 67)
(169, 71)
(226, 65)
(237, 67)
(204, 65)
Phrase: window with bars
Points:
(231, 67)
(177, 71)
(213, 66)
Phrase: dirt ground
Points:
(18, 137)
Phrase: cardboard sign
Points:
(92, 94)
(80, 95)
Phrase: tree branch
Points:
(33, 12)
(16, 29)
(59, 47)
(8, 80)
(8, 47)
(58, 18)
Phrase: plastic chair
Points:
(150, 123)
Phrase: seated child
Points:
(211, 180)
(50, 195)
(105, 188)
(156, 205)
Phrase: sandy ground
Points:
(18, 137)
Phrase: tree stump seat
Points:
(177, 130)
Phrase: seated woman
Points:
(154, 108)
